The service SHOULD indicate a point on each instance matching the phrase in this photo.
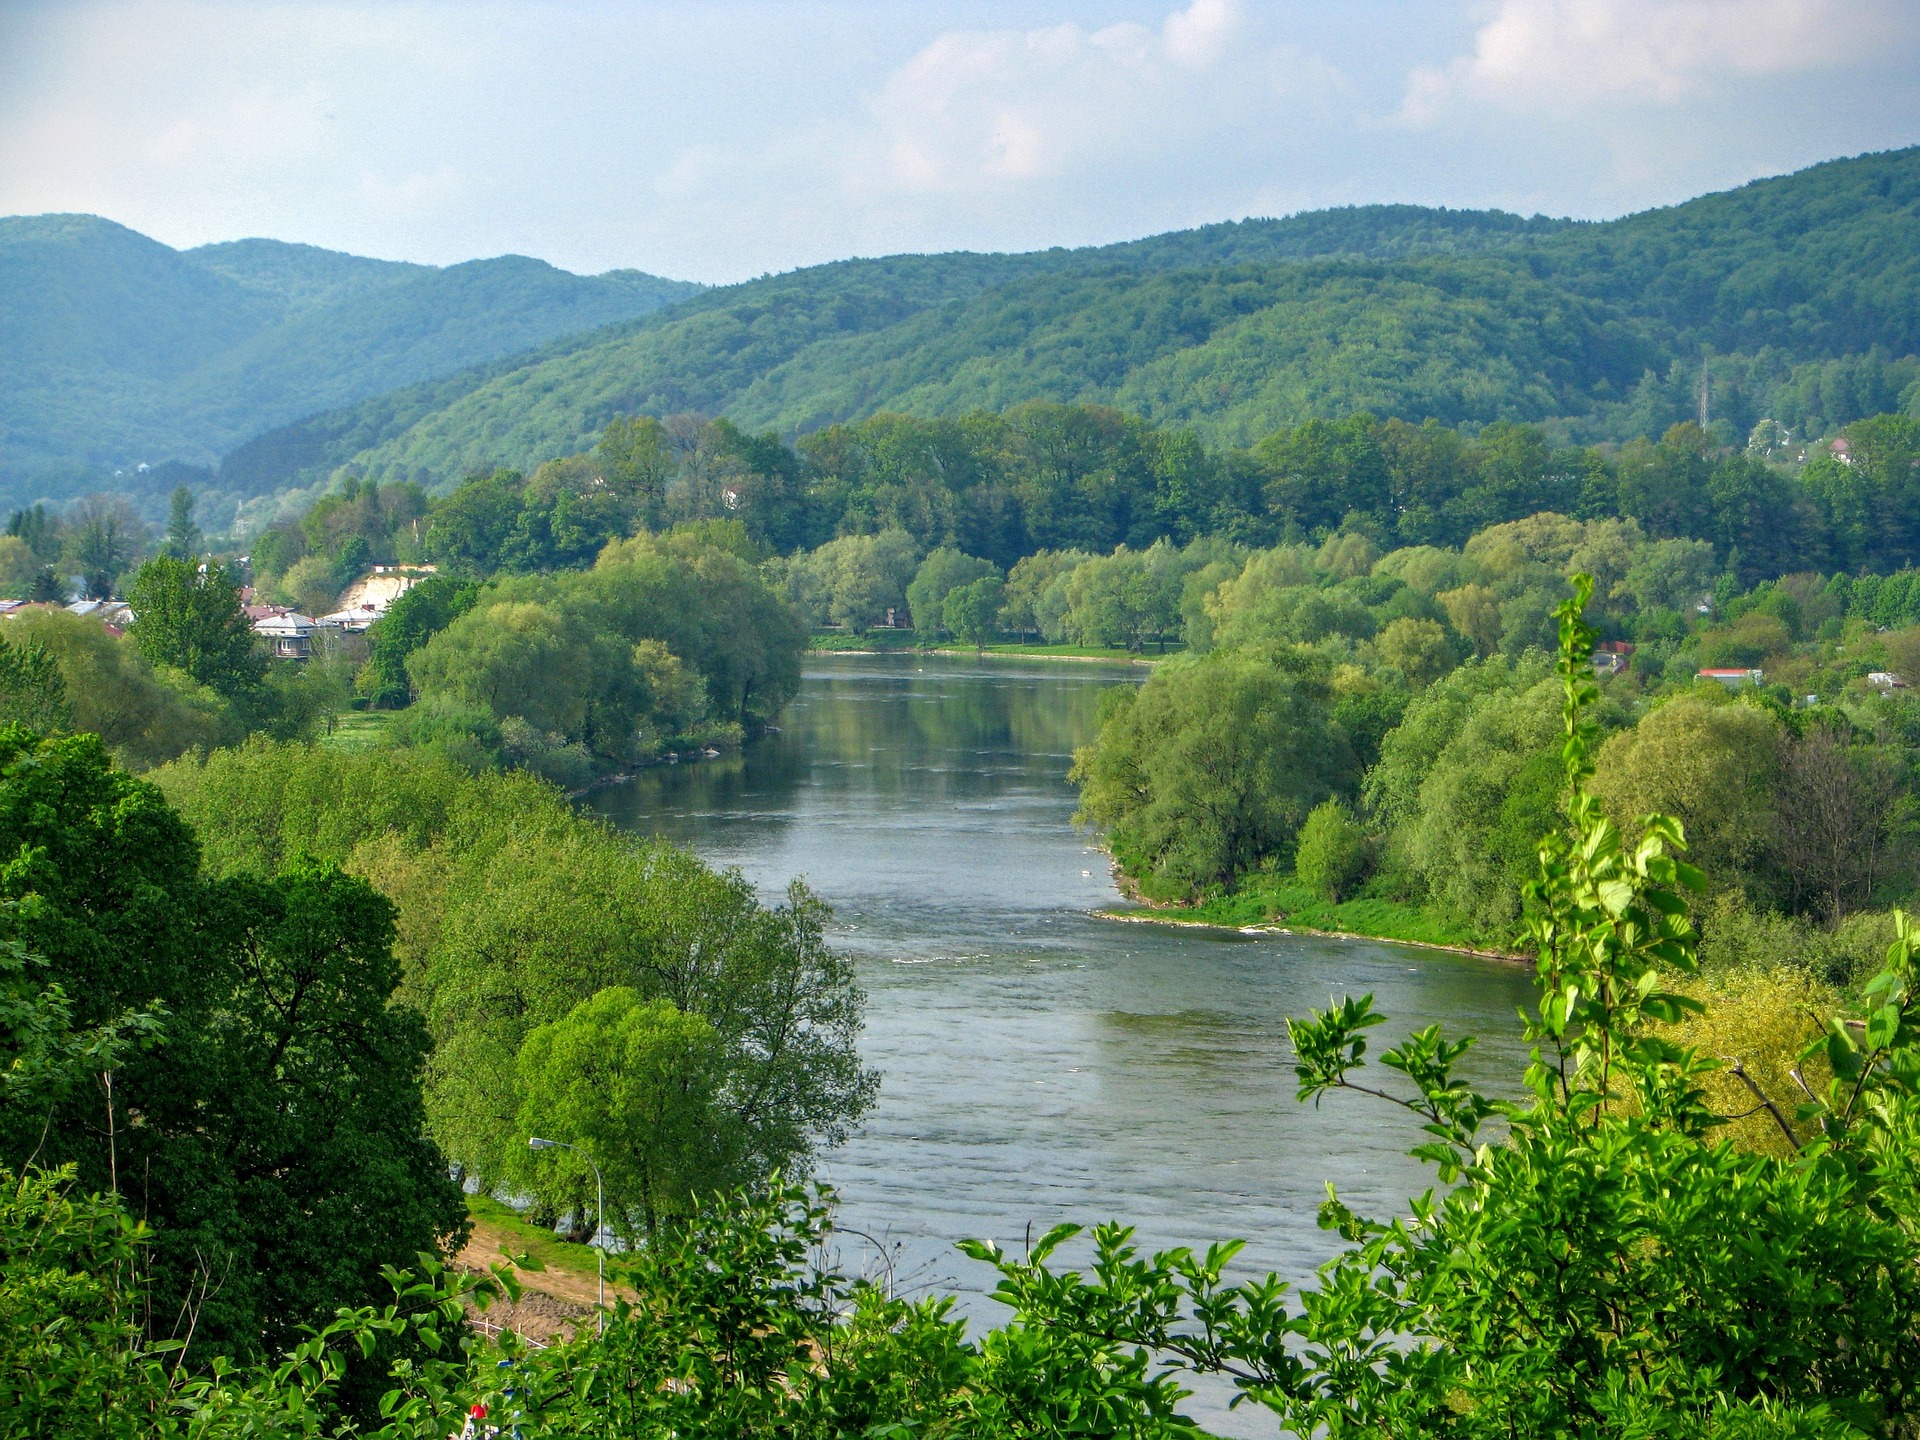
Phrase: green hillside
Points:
(117, 350)
(1236, 330)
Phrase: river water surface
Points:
(1038, 1064)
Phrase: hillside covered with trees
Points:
(118, 351)
(1793, 297)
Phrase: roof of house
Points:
(290, 624)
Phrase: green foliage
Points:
(32, 690)
(1239, 331)
(183, 536)
(191, 619)
(972, 611)
(144, 716)
(666, 637)
(1331, 857)
(635, 1086)
(942, 572)
(279, 1067)
(120, 348)
(413, 619)
(1211, 768)
(513, 911)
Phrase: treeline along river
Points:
(1038, 1063)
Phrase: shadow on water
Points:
(1037, 1064)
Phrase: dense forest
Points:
(1792, 298)
(118, 353)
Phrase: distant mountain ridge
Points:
(1796, 297)
(116, 349)
(1798, 294)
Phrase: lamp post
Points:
(534, 1142)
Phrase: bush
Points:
(1332, 857)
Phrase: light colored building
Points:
(1732, 679)
(289, 633)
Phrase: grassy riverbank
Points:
(529, 1239)
(1282, 901)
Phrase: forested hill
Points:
(117, 350)
(1800, 295)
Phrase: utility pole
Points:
(1706, 392)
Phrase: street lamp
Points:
(534, 1142)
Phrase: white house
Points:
(290, 634)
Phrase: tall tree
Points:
(183, 536)
(283, 1067)
(191, 618)
(102, 537)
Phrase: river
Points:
(1039, 1064)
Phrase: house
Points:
(1732, 679)
(1885, 680)
(356, 619)
(289, 633)
(1610, 657)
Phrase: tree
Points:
(1834, 820)
(635, 1084)
(284, 1065)
(534, 927)
(1713, 767)
(942, 572)
(20, 569)
(144, 717)
(972, 611)
(102, 537)
(1209, 768)
(190, 617)
(1331, 857)
(183, 536)
(414, 618)
(1418, 649)
(32, 690)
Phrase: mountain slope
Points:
(800, 349)
(1237, 329)
(115, 348)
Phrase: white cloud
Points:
(983, 109)
(1560, 54)
(719, 138)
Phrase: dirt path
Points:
(553, 1300)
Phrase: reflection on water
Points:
(1038, 1064)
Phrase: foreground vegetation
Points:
(1602, 1259)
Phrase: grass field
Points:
(535, 1240)
(356, 731)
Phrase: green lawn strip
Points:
(1282, 900)
(357, 731)
(542, 1244)
(886, 640)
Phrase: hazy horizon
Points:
(717, 141)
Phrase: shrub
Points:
(1332, 855)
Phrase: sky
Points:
(719, 141)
